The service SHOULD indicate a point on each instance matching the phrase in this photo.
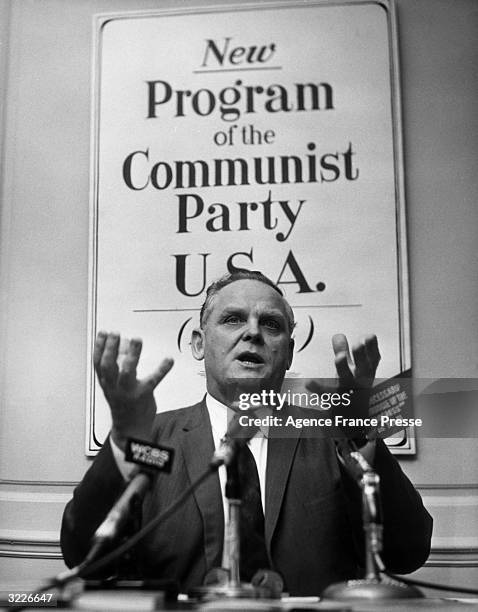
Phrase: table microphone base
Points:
(230, 591)
(371, 590)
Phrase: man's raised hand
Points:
(359, 372)
(131, 401)
(355, 376)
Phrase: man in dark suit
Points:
(312, 531)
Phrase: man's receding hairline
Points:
(209, 302)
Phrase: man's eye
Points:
(232, 319)
(272, 324)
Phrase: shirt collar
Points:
(220, 415)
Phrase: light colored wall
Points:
(439, 92)
(45, 71)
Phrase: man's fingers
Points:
(371, 346)
(132, 353)
(108, 368)
(346, 377)
(98, 348)
(343, 361)
(366, 357)
(363, 368)
(341, 345)
(152, 381)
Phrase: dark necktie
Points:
(252, 539)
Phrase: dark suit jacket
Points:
(313, 510)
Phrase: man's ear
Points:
(197, 343)
(291, 353)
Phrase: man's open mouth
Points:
(248, 358)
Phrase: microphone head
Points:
(270, 580)
(149, 456)
(242, 427)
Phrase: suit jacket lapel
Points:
(280, 455)
(197, 446)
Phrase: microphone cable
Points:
(421, 583)
(134, 539)
(89, 565)
(430, 585)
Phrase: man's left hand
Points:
(355, 374)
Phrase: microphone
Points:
(150, 458)
(270, 580)
(354, 462)
(120, 512)
(238, 434)
(374, 586)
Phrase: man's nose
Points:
(252, 331)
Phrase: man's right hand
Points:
(131, 401)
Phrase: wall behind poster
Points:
(225, 140)
(45, 66)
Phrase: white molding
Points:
(447, 487)
(38, 483)
(35, 497)
(450, 500)
(451, 563)
(453, 544)
(446, 551)
(30, 554)
(26, 537)
(30, 544)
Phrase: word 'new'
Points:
(221, 54)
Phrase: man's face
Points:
(246, 336)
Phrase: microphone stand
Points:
(232, 527)
(226, 582)
(375, 586)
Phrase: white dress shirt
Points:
(218, 415)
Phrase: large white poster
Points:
(265, 137)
